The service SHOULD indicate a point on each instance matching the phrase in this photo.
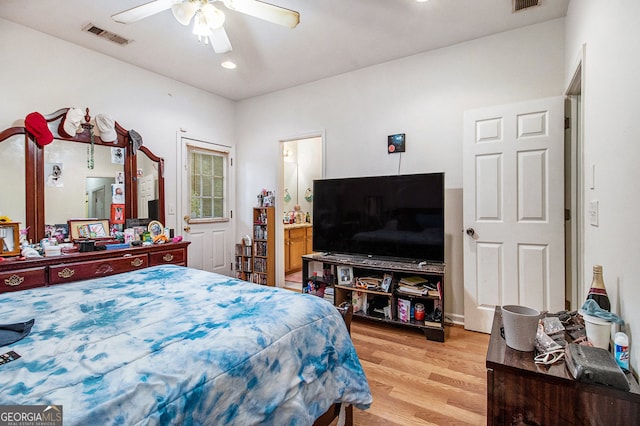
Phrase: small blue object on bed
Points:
(174, 345)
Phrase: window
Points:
(208, 184)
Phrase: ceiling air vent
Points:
(108, 35)
(524, 4)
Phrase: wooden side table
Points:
(519, 391)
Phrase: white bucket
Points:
(598, 331)
(520, 327)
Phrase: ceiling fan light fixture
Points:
(200, 26)
(183, 12)
(214, 16)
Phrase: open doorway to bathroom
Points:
(302, 163)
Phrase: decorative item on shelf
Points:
(297, 214)
(345, 275)
(287, 196)
(266, 198)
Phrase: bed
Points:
(174, 345)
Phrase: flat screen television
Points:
(400, 216)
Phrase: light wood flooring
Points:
(417, 382)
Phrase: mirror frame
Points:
(35, 179)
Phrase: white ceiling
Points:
(333, 37)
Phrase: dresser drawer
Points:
(22, 279)
(68, 272)
(174, 257)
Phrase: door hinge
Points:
(567, 123)
(231, 161)
(230, 214)
(567, 214)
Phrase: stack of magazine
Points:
(416, 286)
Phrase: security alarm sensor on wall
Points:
(396, 143)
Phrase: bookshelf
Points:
(264, 246)
(244, 261)
(339, 275)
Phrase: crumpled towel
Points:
(591, 307)
(11, 333)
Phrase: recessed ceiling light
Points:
(422, 1)
(230, 65)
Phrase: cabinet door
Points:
(287, 257)
(297, 247)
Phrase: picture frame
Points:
(345, 275)
(117, 213)
(386, 283)
(9, 238)
(85, 229)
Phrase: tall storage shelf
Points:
(264, 246)
(376, 304)
(244, 261)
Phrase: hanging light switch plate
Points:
(593, 213)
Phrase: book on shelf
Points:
(416, 291)
(413, 281)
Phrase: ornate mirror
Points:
(77, 177)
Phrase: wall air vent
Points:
(524, 4)
(108, 35)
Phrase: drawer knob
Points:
(137, 262)
(66, 273)
(167, 257)
(14, 280)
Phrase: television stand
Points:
(339, 277)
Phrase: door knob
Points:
(470, 232)
(187, 228)
(187, 218)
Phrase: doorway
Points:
(302, 163)
(206, 189)
(574, 188)
(98, 195)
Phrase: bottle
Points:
(597, 291)
(621, 342)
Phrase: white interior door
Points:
(206, 204)
(146, 193)
(513, 214)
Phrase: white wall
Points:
(611, 143)
(423, 96)
(43, 73)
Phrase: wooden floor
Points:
(417, 382)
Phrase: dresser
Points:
(18, 274)
(522, 392)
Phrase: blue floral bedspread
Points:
(173, 345)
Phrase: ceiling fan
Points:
(209, 20)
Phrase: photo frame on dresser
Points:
(9, 239)
(83, 229)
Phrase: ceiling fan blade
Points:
(268, 12)
(143, 11)
(219, 40)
